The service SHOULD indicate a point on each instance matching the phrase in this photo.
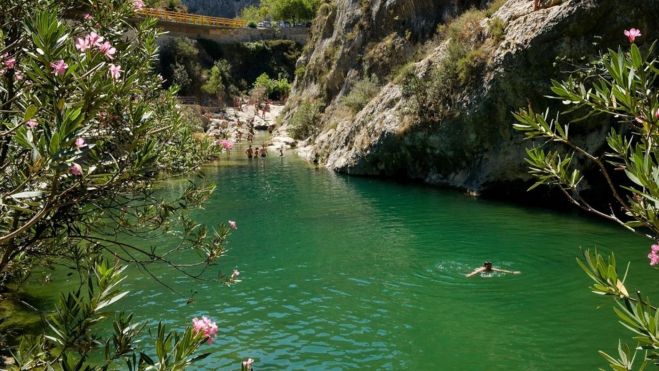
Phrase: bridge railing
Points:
(195, 19)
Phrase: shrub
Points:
(300, 71)
(288, 10)
(466, 29)
(434, 96)
(494, 6)
(275, 89)
(325, 9)
(219, 82)
(302, 123)
(619, 88)
(497, 29)
(85, 130)
(470, 66)
(361, 93)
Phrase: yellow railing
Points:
(185, 18)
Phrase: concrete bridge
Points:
(220, 30)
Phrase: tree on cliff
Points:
(618, 87)
(282, 10)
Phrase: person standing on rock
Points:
(264, 152)
(250, 152)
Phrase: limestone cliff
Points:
(475, 148)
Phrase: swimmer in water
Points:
(487, 268)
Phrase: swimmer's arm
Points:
(505, 271)
(475, 272)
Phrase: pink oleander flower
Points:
(75, 169)
(79, 143)
(654, 248)
(87, 16)
(10, 63)
(656, 114)
(82, 44)
(59, 67)
(233, 225)
(31, 124)
(654, 258)
(107, 49)
(138, 4)
(206, 327)
(18, 75)
(248, 364)
(632, 34)
(115, 71)
(94, 39)
(227, 144)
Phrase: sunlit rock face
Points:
(476, 149)
(218, 8)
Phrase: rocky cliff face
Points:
(218, 8)
(475, 149)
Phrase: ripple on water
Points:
(343, 273)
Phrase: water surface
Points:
(345, 273)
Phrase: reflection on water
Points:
(341, 273)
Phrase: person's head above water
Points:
(488, 266)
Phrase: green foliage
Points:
(278, 89)
(77, 318)
(83, 140)
(180, 76)
(493, 6)
(219, 82)
(283, 10)
(300, 71)
(361, 93)
(325, 9)
(619, 87)
(635, 313)
(470, 65)
(497, 29)
(465, 30)
(247, 61)
(181, 63)
(253, 14)
(303, 122)
(435, 96)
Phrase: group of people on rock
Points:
(259, 106)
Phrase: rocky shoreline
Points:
(236, 124)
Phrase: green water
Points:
(345, 273)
